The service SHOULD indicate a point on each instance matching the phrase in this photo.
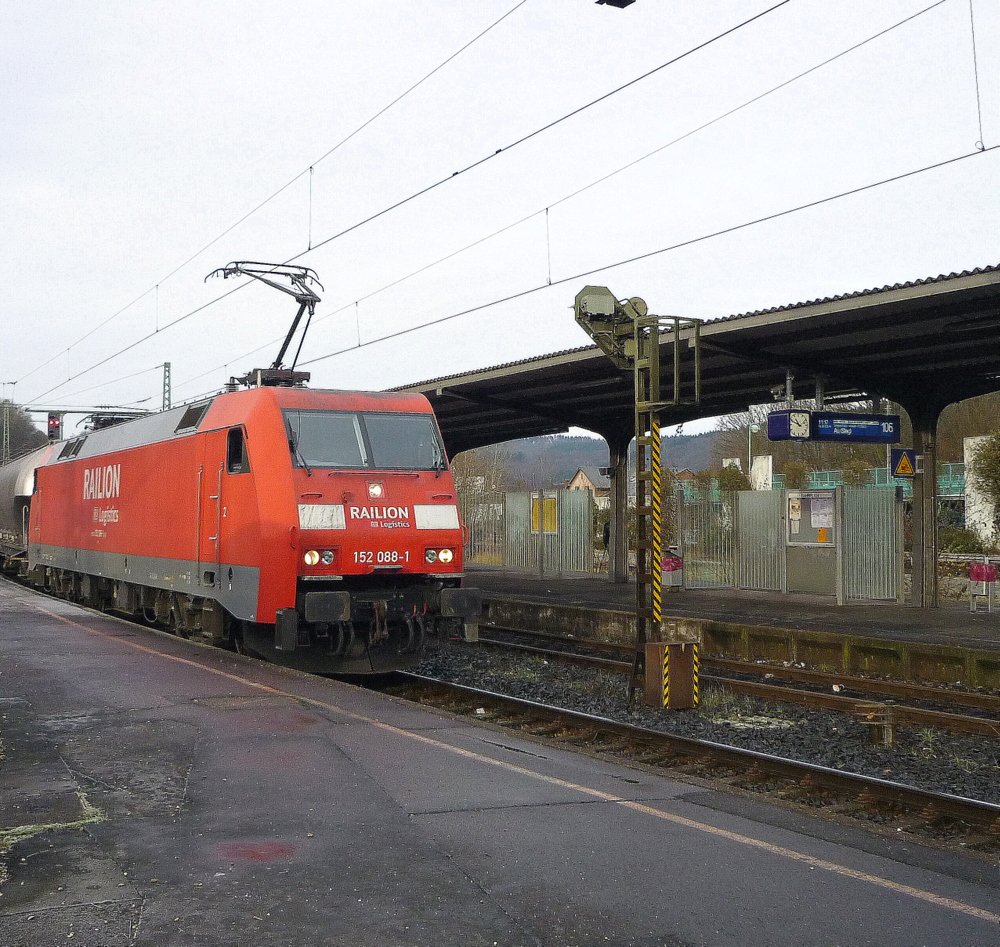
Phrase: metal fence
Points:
(738, 541)
(706, 527)
(727, 540)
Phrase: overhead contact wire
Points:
(520, 294)
(114, 381)
(680, 138)
(567, 197)
(284, 187)
(145, 338)
(87, 335)
(544, 128)
(456, 174)
(419, 82)
(981, 144)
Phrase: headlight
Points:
(431, 555)
(327, 556)
(311, 557)
(445, 555)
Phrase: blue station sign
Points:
(855, 428)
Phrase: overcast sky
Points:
(136, 133)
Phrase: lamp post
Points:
(751, 430)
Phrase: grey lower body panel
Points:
(234, 587)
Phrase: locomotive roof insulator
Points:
(273, 378)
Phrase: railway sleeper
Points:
(805, 788)
(754, 775)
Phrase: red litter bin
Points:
(673, 570)
(982, 582)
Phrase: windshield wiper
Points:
(293, 445)
(439, 461)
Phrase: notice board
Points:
(810, 518)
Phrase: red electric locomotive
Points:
(318, 529)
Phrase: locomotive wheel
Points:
(175, 623)
(236, 637)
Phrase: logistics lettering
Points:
(102, 483)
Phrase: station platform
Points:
(947, 644)
(157, 792)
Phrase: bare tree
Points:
(984, 473)
(485, 470)
(969, 418)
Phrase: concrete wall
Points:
(978, 509)
(762, 472)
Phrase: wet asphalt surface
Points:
(153, 792)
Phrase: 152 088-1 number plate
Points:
(381, 557)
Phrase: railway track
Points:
(973, 824)
(825, 694)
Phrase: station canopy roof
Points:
(922, 344)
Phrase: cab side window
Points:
(237, 461)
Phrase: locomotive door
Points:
(210, 479)
(238, 516)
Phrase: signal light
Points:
(55, 427)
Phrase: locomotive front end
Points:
(379, 539)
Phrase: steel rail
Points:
(927, 806)
(870, 685)
(897, 714)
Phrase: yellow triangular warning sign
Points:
(904, 468)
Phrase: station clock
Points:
(790, 425)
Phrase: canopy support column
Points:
(924, 415)
(925, 504)
(618, 539)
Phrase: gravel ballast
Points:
(926, 758)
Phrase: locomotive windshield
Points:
(364, 439)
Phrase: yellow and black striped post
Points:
(656, 503)
(694, 681)
(666, 677)
(671, 680)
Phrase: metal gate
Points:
(761, 540)
(872, 544)
(549, 532)
(576, 530)
(708, 534)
